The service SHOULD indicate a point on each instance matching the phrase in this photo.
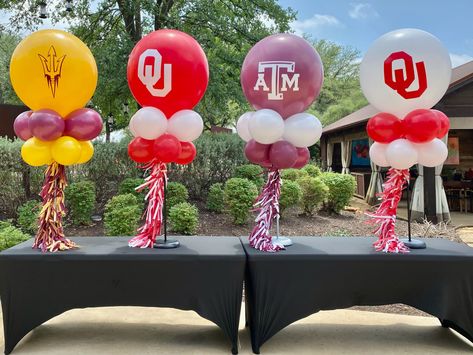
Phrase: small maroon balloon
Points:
(282, 72)
(46, 125)
(421, 125)
(303, 157)
(21, 126)
(444, 123)
(167, 148)
(385, 128)
(257, 153)
(188, 153)
(83, 124)
(283, 155)
(141, 150)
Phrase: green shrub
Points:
(184, 218)
(80, 200)
(252, 172)
(175, 193)
(239, 196)
(341, 189)
(127, 186)
(312, 170)
(28, 215)
(10, 235)
(122, 214)
(314, 192)
(215, 202)
(291, 194)
(293, 174)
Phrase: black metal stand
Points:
(409, 242)
(165, 244)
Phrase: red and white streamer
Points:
(385, 215)
(267, 204)
(155, 182)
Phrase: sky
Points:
(359, 23)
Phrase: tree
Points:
(8, 42)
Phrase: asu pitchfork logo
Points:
(52, 68)
(150, 74)
(280, 82)
(403, 78)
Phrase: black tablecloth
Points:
(204, 274)
(329, 273)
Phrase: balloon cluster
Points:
(50, 138)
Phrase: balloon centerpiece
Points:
(54, 73)
(403, 74)
(168, 75)
(281, 76)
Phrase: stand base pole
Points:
(166, 244)
(284, 241)
(414, 243)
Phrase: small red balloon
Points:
(141, 150)
(444, 123)
(303, 157)
(384, 128)
(167, 148)
(421, 126)
(283, 155)
(188, 153)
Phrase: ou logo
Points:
(150, 74)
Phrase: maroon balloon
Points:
(283, 155)
(282, 72)
(303, 157)
(46, 125)
(21, 126)
(83, 124)
(257, 153)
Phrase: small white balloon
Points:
(186, 125)
(378, 154)
(302, 129)
(148, 123)
(242, 126)
(266, 126)
(401, 154)
(432, 153)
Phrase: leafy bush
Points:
(341, 189)
(291, 194)
(28, 215)
(293, 174)
(122, 214)
(312, 170)
(215, 201)
(239, 195)
(80, 199)
(184, 218)
(314, 192)
(175, 193)
(10, 235)
(127, 186)
(252, 172)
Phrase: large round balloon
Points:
(282, 72)
(404, 70)
(53, 69)
(168, 69)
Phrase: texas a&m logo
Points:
(280, 82)
(403, 78)
(149, 72)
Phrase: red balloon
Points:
(188, 153)
(168, 69)
(421, 125)
(444, 123)
(257, 153)
(141, 150)
(167, 148)
(303, 157)
(283, 155)
(384, 128)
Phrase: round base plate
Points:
(169, 244)
(414, 243)
(284, 241)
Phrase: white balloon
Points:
(242, 126)
(432, 153)
(426, 52)
(302, 129)
(401, 154)
(186, 125)
(378, 154)
(148, 123)
(266, 126)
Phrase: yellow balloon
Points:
(87, 151)
(36, 152)
(66, 150)
(53, 69)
